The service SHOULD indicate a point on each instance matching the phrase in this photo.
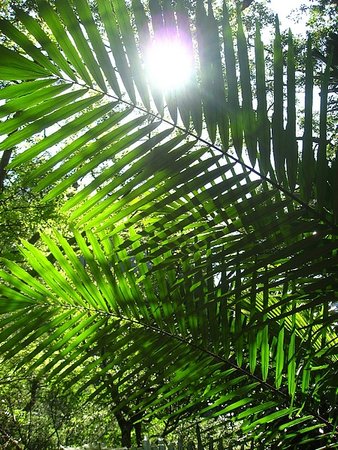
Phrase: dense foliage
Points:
(192, 275)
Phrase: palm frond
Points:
(207, 272)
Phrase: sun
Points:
(169, 64)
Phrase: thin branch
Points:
(6, 156)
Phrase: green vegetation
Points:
(179, 258)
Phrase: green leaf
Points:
(263, 123)
(116, 45)
(207, 49)
(231, 78)
(307, 173)
(142, 25)
(31, 99)
(71, 21)
(265, 348)
(79, 123)
(39, 110)
(48, 120)
(21, 89)
(268, 419)
(292, 359)
(16, 67)
(59, 32)
(278, 109)
(106, 174)
(85, 15)
(280, 357)
(322, 163)
(257, 409)
(248, 115)
(294, 422)
(90, 151)
(46, 43)
(127, 33)
(26, 44)
(188, 98)
(291, 148)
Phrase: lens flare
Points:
(169, 64)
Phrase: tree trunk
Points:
(125, 426)
(138, 433)
(126, 434)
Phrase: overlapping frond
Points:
(166, 317)
(202, 259)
